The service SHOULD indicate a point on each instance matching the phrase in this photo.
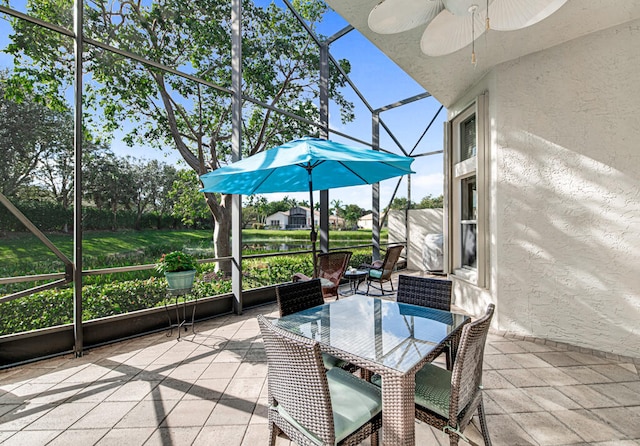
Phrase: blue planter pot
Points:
(180, 282)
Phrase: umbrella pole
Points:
(314, 235)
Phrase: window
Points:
(467, 191)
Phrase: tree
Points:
(153, 181)
(30, 133)
(352, 212)
(189, 205)
(280, 65)
(430, 202)
(401, 203)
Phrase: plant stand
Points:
(180, 321)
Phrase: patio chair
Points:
(331, 268)
(380, 271)
(298, 296)
(432, 293)
(447, 400)
(310, 405)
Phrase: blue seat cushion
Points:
(433, 388)
(353, 400)
(375, 273)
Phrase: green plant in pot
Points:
(180, 270)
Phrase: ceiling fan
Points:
(454, 24)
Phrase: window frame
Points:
(456, 172)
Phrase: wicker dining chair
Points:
(432, 293)
(380, 271)
(448, 400)
(310, 405)
(298, 296)
(331, 268)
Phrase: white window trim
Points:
(454, 173)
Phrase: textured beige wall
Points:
(565, 219)
(421, 223)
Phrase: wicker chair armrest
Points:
(299, 277)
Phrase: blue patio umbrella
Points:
(306, 164)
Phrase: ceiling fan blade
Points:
(396, 16)
(509, 15)
(448, 33)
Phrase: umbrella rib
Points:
(356, 174)
(253, 191)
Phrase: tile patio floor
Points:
(210, 389)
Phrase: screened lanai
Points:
(101, 60)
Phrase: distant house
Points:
(299, 217)
(366, 221)
(279, 220)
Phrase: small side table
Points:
(355, 278)
(180, 321)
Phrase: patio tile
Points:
(589, 427)
(59, 393)
(260, 412)
(189, 413)
(513, 400)
(500, 362)
(252, 370)
(231, 411)
(586, 396)
(168, 389)
(545, 428)
(23, 416)
(615, 372)
(533, 347)
(176, 436)
(587, 359)
(558, 359)
(31, 438)
(24, 392)
(78, 436)
(130, 437)
(147, 414)
(220, 370)
(621, 393)
(104, 415)
(508, 347)
(61, 417)
(188, 371)
(503, 430)
(550, 399)
(96, 392)
(133, 391)
(247, 388)
(585, 375)
(529, 360)
(230, 435)
(256, 434)
(208, 389)
(554, 376)
(522, 377)
(623, 419)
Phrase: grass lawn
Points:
(26, 248)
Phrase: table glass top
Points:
(393, 334)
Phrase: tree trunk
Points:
(221, 211)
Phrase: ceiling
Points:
(448, 77)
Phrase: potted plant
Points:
(179, 268)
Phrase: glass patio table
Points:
(389, 338)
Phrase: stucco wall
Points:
(421, 223)
(565, 219)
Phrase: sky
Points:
(382, 83)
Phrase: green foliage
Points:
(430, 202)
(176, 261)
(55, 307)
